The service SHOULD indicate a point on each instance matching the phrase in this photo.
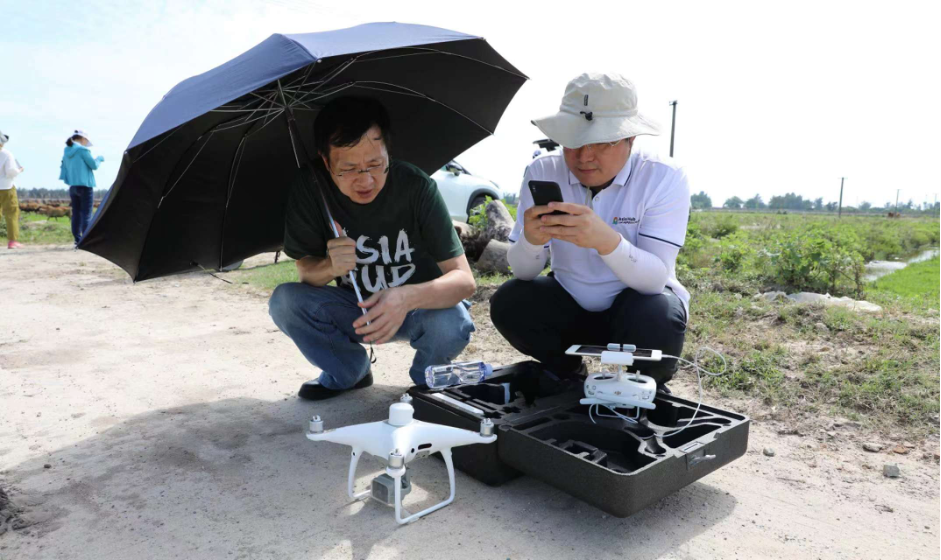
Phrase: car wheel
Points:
(477, 201)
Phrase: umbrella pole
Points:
(333, 226)
(292, 130)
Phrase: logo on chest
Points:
(383, 266)
(622, 221)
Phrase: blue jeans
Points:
(81, 210)
(320, 322)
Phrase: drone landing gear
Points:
(397, 472)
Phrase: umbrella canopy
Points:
(204, 181)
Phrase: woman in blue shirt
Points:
(78, 173)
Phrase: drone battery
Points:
(618, 466)
(383, 488)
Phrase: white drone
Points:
(400, 439)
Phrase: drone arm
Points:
(397, 476)
(354, 460)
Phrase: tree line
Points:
(795, 202)
(53, 193)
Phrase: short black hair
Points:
(343, 122)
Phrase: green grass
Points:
(809, 361)
(36, 229)
(881, 369)
(917, 281)
(267, 276)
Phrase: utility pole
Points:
(897, 191)
(839, 213)
(672, 127)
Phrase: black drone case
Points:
(543, 431)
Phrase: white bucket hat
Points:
(83, 135)
(596, 108)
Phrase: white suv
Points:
(462, 191)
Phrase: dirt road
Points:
(159, 420)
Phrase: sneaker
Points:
(15, 245)
(314, 391)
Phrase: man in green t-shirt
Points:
(397, 239)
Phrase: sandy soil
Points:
(159, 420)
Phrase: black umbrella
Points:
(204, 181)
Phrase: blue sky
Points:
(772, 97)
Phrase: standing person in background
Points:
(77, 172)
(9, 206)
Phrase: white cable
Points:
(699, 371)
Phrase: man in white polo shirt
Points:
(613, 254)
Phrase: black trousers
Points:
(540, 319)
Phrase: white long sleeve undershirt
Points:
(642, 269)
(526, 260)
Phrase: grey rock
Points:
(493, 259)
(828, 300)
(499, 221)
(891, 470)
(821, 327)
(771, 296)
(872, 447)
(768, 452)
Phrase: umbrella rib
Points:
(243, 105)
(420, 94)
(288, 94)
(267, 111)
(336, 89)
(266, 123)
(303, 79)
(239, 110)
(334, 73)
(175, 183)
(152, 148)
(229, 125)
(427, 50)
(233, 174)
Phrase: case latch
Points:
(695, 454)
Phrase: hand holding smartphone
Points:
(545, 192)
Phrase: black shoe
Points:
(314, 391)
(662, 388)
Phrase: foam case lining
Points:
(610, 463)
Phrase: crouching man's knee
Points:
(448, 330)
(283, 304)
(504, 303)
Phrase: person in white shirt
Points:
(9, 205)
(613, 254)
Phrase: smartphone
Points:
(640, 354)
(545, 192)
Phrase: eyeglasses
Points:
(598, 148)
(376, 171)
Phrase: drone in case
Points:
(632, 390)
(399, 440)
(620, 388)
